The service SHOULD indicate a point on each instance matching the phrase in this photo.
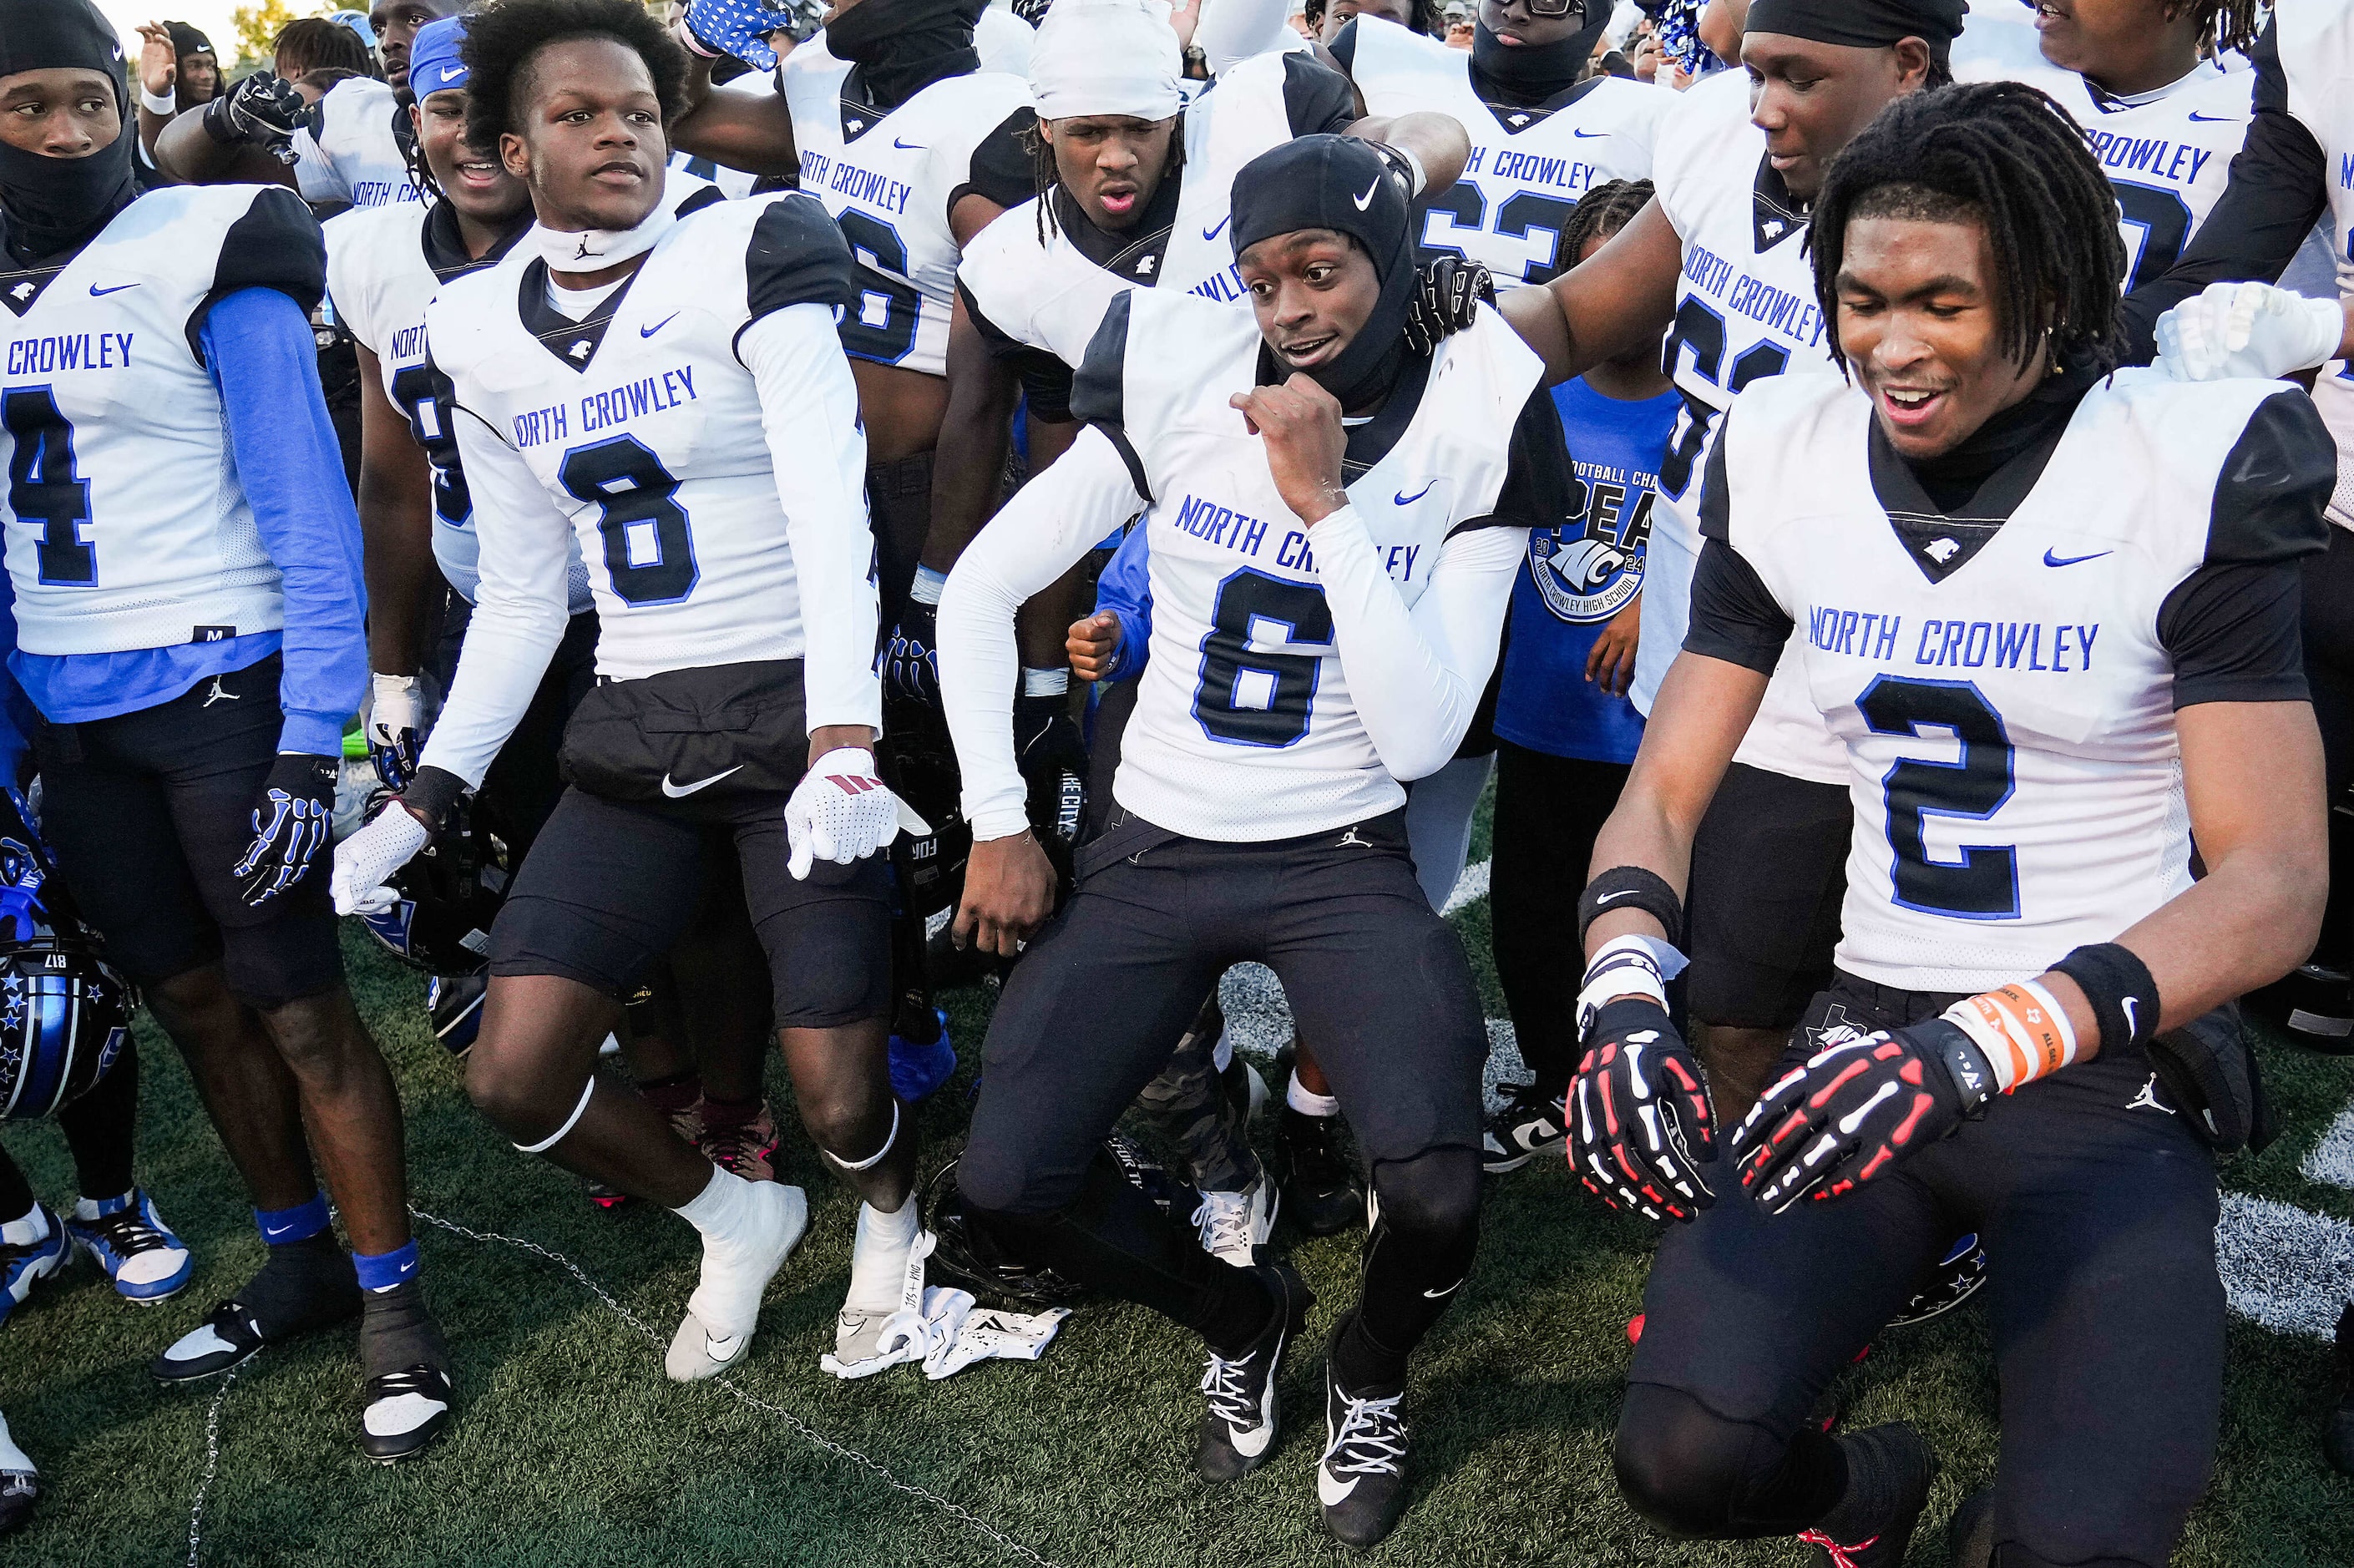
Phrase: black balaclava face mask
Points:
(1341, 184)
(902, 46)
(1534, 72)
(54, 205)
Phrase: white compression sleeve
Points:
(809, 408)
(1232, 31)
(1052, 522)
(520, 608)
(1417, 674)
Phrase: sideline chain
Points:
(644, 1330)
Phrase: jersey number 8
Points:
(648, 552)
(1247, 698)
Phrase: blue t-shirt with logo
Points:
(1578, 576)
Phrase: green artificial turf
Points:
(571, 1449)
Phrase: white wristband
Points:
(1627, 966)
(1420, 175)
(168, 104)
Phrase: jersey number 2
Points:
(648, 552)
(1247, 698)
(45, 488)
(1984, 884)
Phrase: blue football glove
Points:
(292, 822)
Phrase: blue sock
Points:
(283, 1227)
(383, 1270)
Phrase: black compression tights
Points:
(98, 1129)
(1417, 1255)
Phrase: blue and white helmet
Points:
(65, 1013)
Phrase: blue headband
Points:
(433, 62)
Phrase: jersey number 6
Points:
(648, 551)
(1247, 698)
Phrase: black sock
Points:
(99, 1126)
(1362, 1364)
(1885, 1464)
(1114, 1239)
(16, 1194)
(398, 1332)
(305, 1284)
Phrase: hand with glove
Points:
(366, 861)
(737, 27)
(911, 661)
(1640, 1124)
(396, 728)
(1445, 301)
(2247, 330)
(292, 822)
(1053, 757)
(262, 110)
(841, 812)
(1857, 1108)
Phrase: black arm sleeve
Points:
(1098, 390)
(275, 244)
(1538, 481)
(2278, 189)
(1318, 98)
(1734, 616)
(797, 258)
(2232, 627)
(1004, 169)
(1715, 520)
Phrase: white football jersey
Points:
(2316, 57)
(639, 424)
(889, 182)
(1744, 311)
(1528, 167)
(1244, 729)
(2008, 718)
(1052, 296)
(126, 526)
(349, 152)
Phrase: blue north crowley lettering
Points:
(1860, 634)
(647, 395)
(2006, 645)
(70, 351)
(408, 343)
(865, 185)
(1226, 287)
(2346, 170)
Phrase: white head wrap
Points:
(1106, 57)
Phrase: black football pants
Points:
(2096, 1206)
(1549, 810)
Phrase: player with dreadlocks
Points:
(2051, 616)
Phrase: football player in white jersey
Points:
(194, 646)
(1544, 130)
(1719, 257)
(671, 391)
(1306, 653)
(2051, 614)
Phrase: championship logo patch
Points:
(1587, 569)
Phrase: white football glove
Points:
(841, 812)
(396, 728)
(365, 861)
(2247, 330)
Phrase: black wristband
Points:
(1973, 1076)
(430, 795)
(1631, 887)
(2119, 986)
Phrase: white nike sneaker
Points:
(1232, 1225)
(725, 1307)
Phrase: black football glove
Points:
(1445, 301)
(1639, 1111)
(911, 661)
(262, 110)
(1054, 762)
(1852, 1110)
(292, 821)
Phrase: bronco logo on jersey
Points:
(1587, 569)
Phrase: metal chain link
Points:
(212, 1463)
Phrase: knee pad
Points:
(1433, 1197)
(1685, 1468)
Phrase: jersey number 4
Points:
(649, 554)
(1984, 884)
(1247, 698)
(44, 487)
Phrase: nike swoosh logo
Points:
(2051, 560)
(1214, 233)
(1608, 897)
(451, 73)
(907, 146)
(273, 1232)
(2212, 119)
(1586, 135)
(2132, 1006)
(680, 791)
(1405, 500)
(649, 332)
(1366, 200)
(721, 1347)
(1443, 1295)
(95, 292)
(1332, 1493)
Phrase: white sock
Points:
(735, 1248)
(32, 1225)
(1300, 1097)
(879, 1257)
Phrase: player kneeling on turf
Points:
(2051, 614)
(1327, 598)
(669, 385)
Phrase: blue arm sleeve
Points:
(16, 711)
(266, 365)
(1125, 590)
